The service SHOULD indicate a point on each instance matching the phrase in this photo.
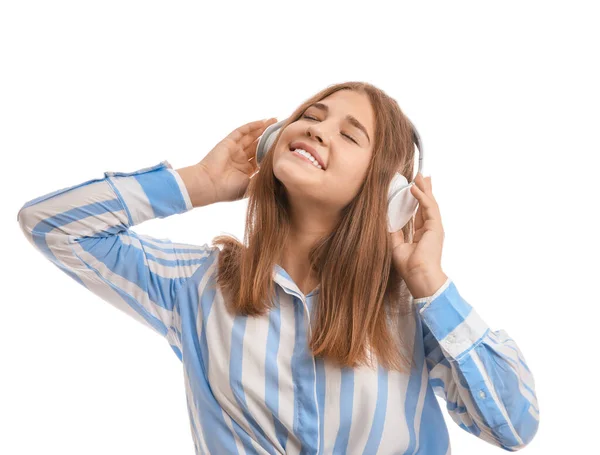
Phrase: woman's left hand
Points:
(419, 263)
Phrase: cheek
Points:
(354, 168)
(347, 177)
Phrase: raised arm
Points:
(85, 230)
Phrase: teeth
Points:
(309, 156)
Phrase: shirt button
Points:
(451, 337)
(482, 394)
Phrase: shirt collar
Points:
(281, 277)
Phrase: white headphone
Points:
(402, 205)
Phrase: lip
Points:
(309, 149)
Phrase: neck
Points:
(295, 256)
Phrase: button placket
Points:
(301, 405)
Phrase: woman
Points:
(321, 333)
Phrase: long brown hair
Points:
(362, 298)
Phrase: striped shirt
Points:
(252, 385)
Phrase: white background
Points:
(505, 98)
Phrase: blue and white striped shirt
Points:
(252, 385)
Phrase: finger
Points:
(425, 186)
(245, 134)
(428, 189)
(419, 221)
(252, 162)
(249, 138)
(430, 209)
(250, 151)
(245, 129)
(255, 125)
(417, 235)
(420, 215)
(420, 182)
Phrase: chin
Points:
(298, 183)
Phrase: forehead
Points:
(344, 102)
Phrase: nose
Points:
(313, 131)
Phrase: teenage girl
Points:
(321, 333)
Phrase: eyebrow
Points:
(352, 120)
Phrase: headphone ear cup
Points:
(398, 182)
(402, 205)
(266, 140)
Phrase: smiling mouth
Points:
(307, 159)
(300, 155)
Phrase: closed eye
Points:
(343, 134)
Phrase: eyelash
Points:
(343, 134)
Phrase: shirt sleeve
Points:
(85, 230)
(481, 374)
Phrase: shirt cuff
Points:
(452, 320)
(152, 192)
(422, 301)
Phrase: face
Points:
(340, 129)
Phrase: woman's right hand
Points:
(232, 162)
